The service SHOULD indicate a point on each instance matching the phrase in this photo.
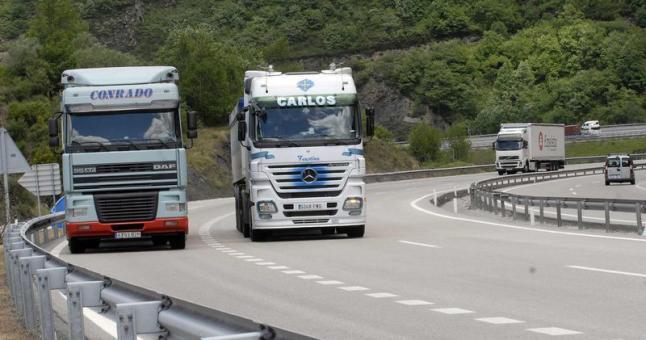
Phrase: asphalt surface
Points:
(419, 273)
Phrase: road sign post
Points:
(42, 179)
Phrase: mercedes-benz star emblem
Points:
(309, 175)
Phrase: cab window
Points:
(613, 162)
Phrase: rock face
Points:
(118, 30)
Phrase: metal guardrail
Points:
(33, 273)
(485, 195)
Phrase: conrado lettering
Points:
(121, 93)
(306, 101)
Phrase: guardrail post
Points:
(7, 248)
(48, 279)
(606, 207)
(541, 211)
(579, 214)
(435, 197)
(559, 222)
(638, 216)
(15, 273)
(526, 208)
(455, 205)
(28, 265)
(503, 212)
(79, 295)
(532, 219)
(513, 207)
(494, 200)
(137, 318)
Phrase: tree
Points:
(424, 142)
(211, 72)
(457, 137)
(56, 24)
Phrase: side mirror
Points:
(242, 131)
(525, 144)
(192, 125)
(370, 122)
(53, 132)
(493, 146)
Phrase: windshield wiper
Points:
(127, 141)
(99, 144)
(161, 141)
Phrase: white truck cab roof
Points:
(269, 83)
(119, 76)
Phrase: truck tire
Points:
(76, 246)
(259, 235)
(355, 232)
(245, 216)
(607, 182)
(525, 168)
(632, 181)
(501, 172)
(178, 242)
(238, 209)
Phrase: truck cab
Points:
(297, 153)
(124, 161)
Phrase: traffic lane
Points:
(592, 186)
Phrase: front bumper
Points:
(332, 215)
(509, 165)
(108, 230)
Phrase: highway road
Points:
(419, 273)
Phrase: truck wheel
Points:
(76, 246)
(259, 235)
(501, 172)
(238, 210)
(632, 181)
(356, 232)
(245, 215)
(526, 168)
(607, 182)
(178, 242)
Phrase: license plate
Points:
(128, 234)
(309, 206)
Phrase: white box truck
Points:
(529, 147)
(297, 153)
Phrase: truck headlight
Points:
(76, 212)
(353, 203)
(175, 207)
(266, 207)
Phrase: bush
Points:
(457, 137)
(424, 142)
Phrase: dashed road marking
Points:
(608, 271)
(381, 295)
(452, 311)
(265, 263)
(310, 277)
(329, 282)
(554, 331)
(414, 302)
(254, 260)
(499, 320)
(228, 251)
(278, 267)
(244, 256)
(290, 272)
(419, 244)
(236, 254)
(354, 288)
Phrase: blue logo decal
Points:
(352, 151)
(305, 84)
(308, 159)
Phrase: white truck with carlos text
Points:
(297, 153)
(528, 147)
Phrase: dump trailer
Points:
(124, 161)
(529, 147)
(297, 153)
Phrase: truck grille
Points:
(125, 176)
(311, 180)
(126, 207)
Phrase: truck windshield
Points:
(132, 130)
(307, 124)
(509, 144)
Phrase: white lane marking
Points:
(553, 331)
(290, 272)
(236, 254)
(310, 277)
(229, 251)
(419, 244)
(278, 267)
(254, 260)
(608, 271)
(499, 320)
(509, 226)
(205, 228)
(578, 185)
(265, 263)
(354, 288)
(244, 256)
(452, 311)
(57, 250)
(414, 302)
(381, 295)
(329, 282)
(640, 186)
